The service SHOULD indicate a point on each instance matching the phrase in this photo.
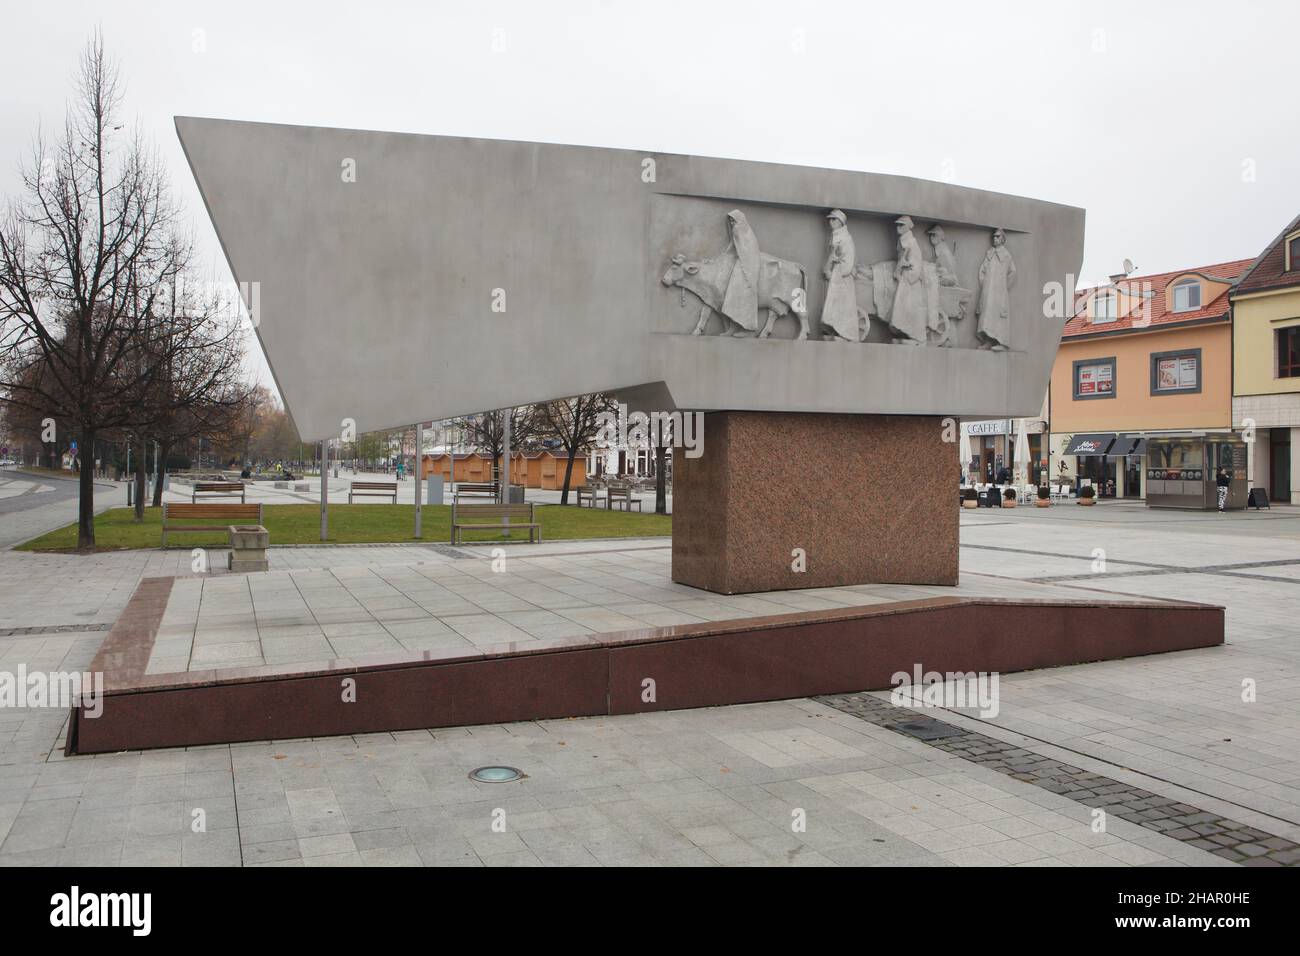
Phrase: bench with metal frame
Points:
(621, 494)
(182, 517)
(591, 493)
(476, 489)
(217, 489)
(486, 517)
(379, 489)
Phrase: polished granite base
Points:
(619, 672)
(783, 500)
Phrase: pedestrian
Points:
(1224, 483)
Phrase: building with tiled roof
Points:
(1266, 364)
(1144, 356)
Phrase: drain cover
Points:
(929, 729)
(495, 774)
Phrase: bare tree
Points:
(240, 429)
(198, 388)
(487, 431)
(82, 254)
(662, 438)
(575, 421)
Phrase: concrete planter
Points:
(1087, 502)
(248, 544)
(244, 537)
(1042, 502)
(1008, 502)
(970, 503)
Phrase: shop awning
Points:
(1129, 445)
(1091, 444)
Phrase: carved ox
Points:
(782, 289)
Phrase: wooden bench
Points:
(472, 517)
(590, 492)
(477, 489)
(183, 517)
(382, 489)
(621, 494)
(217, 489)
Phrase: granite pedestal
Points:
(784, 500)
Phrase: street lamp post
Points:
(419, 476)
(324, 489)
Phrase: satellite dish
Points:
(1128, 267)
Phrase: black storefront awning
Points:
(1098, 444)
(1129, 445)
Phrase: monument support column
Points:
(783, 500)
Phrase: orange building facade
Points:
(1143, 357)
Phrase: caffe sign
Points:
(997, 427)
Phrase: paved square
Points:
(1169, 737)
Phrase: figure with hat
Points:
(944, 260)
(907, 318)
(840, 312)
(997, 275)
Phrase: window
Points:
(1103, 307)
(1293, 253)
(1187, 295)
(1094, 378)
(1176, 373)
(1288, 352)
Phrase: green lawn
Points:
(355, 524)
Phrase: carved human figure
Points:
(907, 318)
(944, 260)
(840, 312)
(740, 302)
(997, 276)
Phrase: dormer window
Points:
(1103, 308)
(1293, 253)
(1187, 295)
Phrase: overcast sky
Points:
(1174, 125)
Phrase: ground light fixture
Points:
(496, 774)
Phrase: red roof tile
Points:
(1268, 271)
(1160, 309)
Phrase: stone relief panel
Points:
(740, 283)
(877, 283)
(997, 275)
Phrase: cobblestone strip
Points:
(52, 629)
(1219, 835)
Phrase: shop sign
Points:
(997, 427)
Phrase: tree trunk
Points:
(86, 499)
(139, 477)
(164, 450)
(568, 474)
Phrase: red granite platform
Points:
(862, 499)
(696, 665)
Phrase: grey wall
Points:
(375, 295)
